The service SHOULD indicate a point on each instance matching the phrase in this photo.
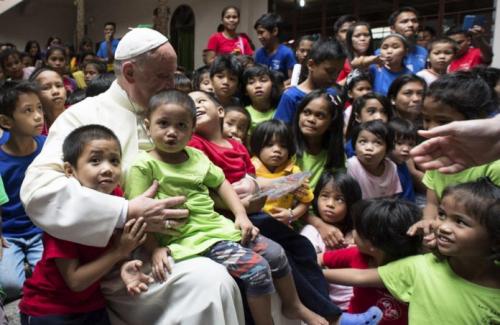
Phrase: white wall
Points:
(38, 19)
(496, 37)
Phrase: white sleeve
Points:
(60, 205)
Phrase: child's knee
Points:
(258, 279)
(276, 257)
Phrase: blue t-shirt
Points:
(5, 137)
(15, 222)
(289, 102)
(406, 183)
(282, 60)
(383, 78)
(349, 149)
(415, 59)
(102, 52)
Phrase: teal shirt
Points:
(192, 179)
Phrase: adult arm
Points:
(459, 145)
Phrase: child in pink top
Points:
(376, 174)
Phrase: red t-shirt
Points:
(223, 45)
(395, 311)
(469, 60)
(46, 292)
(346, 69)
(235, 161)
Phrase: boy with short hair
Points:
(107, 48)
(21, 114)
(273, 54)
(65, 288)
(473, 49)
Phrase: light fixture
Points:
(302, 3)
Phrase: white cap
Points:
(138, 41)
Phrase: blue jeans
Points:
(12, 273)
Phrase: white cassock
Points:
(199, 291)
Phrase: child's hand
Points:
(282, 215)
(161, 265)
(425, 228)
(303, 190)
(331, 236)
(3, 244)
(133, 235)
(135, 281)
(248, 230)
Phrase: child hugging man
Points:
(274, 55)
(65, 287)
(21, 114)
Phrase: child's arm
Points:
(431, 208)
(80, 277)
(354, 277)
(363, 62)
(241, 221)
(160, 264)
(417, 175)
(3, 242)
(331, 235)
(287, 216)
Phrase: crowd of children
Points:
(338, 241)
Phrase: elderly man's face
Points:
(155, 74)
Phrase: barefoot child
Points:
(65, 285)
(254, 259)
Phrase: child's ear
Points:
(5, 122)
(310, 64)
(357, 118)
(275, 31)
(147, 124)
(221, 112)
(68, 169)
(349, 94)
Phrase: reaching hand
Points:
(135, 281)
(425, 228)
(331, 236)
(133, 235)
(281, 214)
(161, 265)
(157, 212)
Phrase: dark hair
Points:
(321, 51)
(76, 96)
(10, 93)
(110, 23)
(175, 97)
(457, 31)
(181, 80)
(347, 185)
(379, 129)
(75, 142)
(358, 105)
(403, 129)
(402, 80)
(480, 200)
(100, 66)
(395, 14)
(53, 49)
(5, 54)
(353, 78)
(266, 131)
(246, 61)
(269, 21)
(81, 56)
(28, 47)
(85, 40)
(99, 84)
(310, 37)
(443, 40)
(226, 62)
(490, 75)
(348, 41)
(428, 29)
(384, 222)
(225, 9)
(341, 21)
(257, 71)
(39, 71)
(332, 140)
(464, 91)
(51, 38)
(197, 76)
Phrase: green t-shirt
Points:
(258, 116)
(3, 195)
(192, 179)
(437, 295)
(437, 181)
(314, 164)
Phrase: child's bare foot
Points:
(299, 311)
